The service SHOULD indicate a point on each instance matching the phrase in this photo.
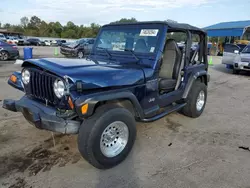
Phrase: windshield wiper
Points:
(133, 54)
(106, 50)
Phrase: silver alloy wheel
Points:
(80, 55)
(114, 139)
(4, 55)
(200, 100)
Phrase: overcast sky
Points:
(200, 13)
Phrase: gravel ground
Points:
(175, 151)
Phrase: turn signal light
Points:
(71, 104)
(13, 78)
(85, 108)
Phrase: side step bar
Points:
(167, 111)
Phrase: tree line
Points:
(39, 28)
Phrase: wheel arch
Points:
(124, 99)
(202, 76)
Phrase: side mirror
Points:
(236, 51)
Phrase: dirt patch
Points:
(20, 183)
(4, 138)
(174, 126)
(42, 158)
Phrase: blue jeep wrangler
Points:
(135, 72)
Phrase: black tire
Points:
(235, 71)
(4, 56)
(190, 109)
(80, 54)
(91, 131)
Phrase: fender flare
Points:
(93, 100)
(192, 79)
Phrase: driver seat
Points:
(170, 66)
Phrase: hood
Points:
(245, 57)
(70, 45)
(90, 73)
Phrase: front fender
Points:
(93, 99)
(191, 80)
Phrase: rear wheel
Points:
(4, 55)
(107, 137)
(196, 100)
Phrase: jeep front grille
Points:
(41, 85)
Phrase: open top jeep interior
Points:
(173, 57)
(171, 64)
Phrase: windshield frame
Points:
(247, 47)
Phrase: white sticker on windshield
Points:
(149, 32)
(152, 49)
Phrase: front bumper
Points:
(41, 116)
(68, 52)
(242, 66)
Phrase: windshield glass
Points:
(246, 50)
(136, 38)
(80, 41)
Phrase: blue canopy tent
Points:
(227, 29)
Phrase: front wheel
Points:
(107, 137)
(196, 100)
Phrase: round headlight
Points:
(59, 88)
(25, 76)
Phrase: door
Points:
(231, 51)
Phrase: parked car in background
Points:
(237, 57)
(209, 45)
(60, 42)
(2, 37)
(12, 40)
(47, 43)
(8, 51)
(23, 42)
(79, 48)
(35, 42)
(53, 43)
